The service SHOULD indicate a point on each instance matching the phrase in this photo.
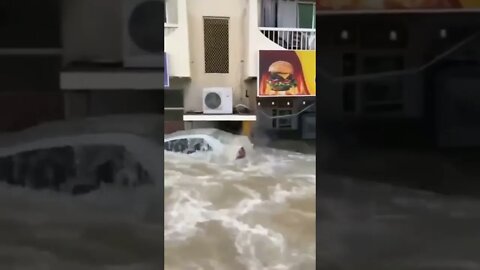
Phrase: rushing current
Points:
(367, 226)
(258, 213)
(109, 229)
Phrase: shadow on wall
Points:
(173, 126)
(234, 127)
(22, 110)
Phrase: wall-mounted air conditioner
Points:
(218, 100)
(143, 42)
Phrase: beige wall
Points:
(92, 29)
(176, 40)
(236, 11)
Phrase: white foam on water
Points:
(365, 225)
(107, 229)
(248, 199)
(220, 214)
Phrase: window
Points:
(42, 169)
(464, 99)
(6, 169)
(306, 15)
(173, 105)
(274, 120)
(349, 89)
(75, 170)
(309, 126)
(349, 97)
(198, 145)
(188, 146)
(180, 145)
(283, 122)
(107, 164)
(385, 95)
(216, 42)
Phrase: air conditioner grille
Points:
(213, 100)
(143, 26)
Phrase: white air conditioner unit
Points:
(218, 100)
(142, 33)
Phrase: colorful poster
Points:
(396, 4)
(286, 73)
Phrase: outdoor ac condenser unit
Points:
(143, 42)
(218, 100)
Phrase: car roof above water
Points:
(143, 125)
(222, 136)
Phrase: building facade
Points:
(112, 57)
(30, 61)
(400, 71)
(215, 46)
(91, 58)
(63, 59)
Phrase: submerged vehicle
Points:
(210, 141)
(78, 156)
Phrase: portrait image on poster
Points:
(286, 73)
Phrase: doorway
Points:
(457, 107)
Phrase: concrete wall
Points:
(104, 102)
(177, 43)
(172, 126)
(20, 110)
(235, 10)
(245, 42)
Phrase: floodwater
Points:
(109, 229)
(253, 214)
(258, 213)
(364, 225)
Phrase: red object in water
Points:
(241, 153)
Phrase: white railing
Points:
(291, 38)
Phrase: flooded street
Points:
(254, 214)
(365, 225)
(108, 229)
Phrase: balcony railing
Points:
(291, 38)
